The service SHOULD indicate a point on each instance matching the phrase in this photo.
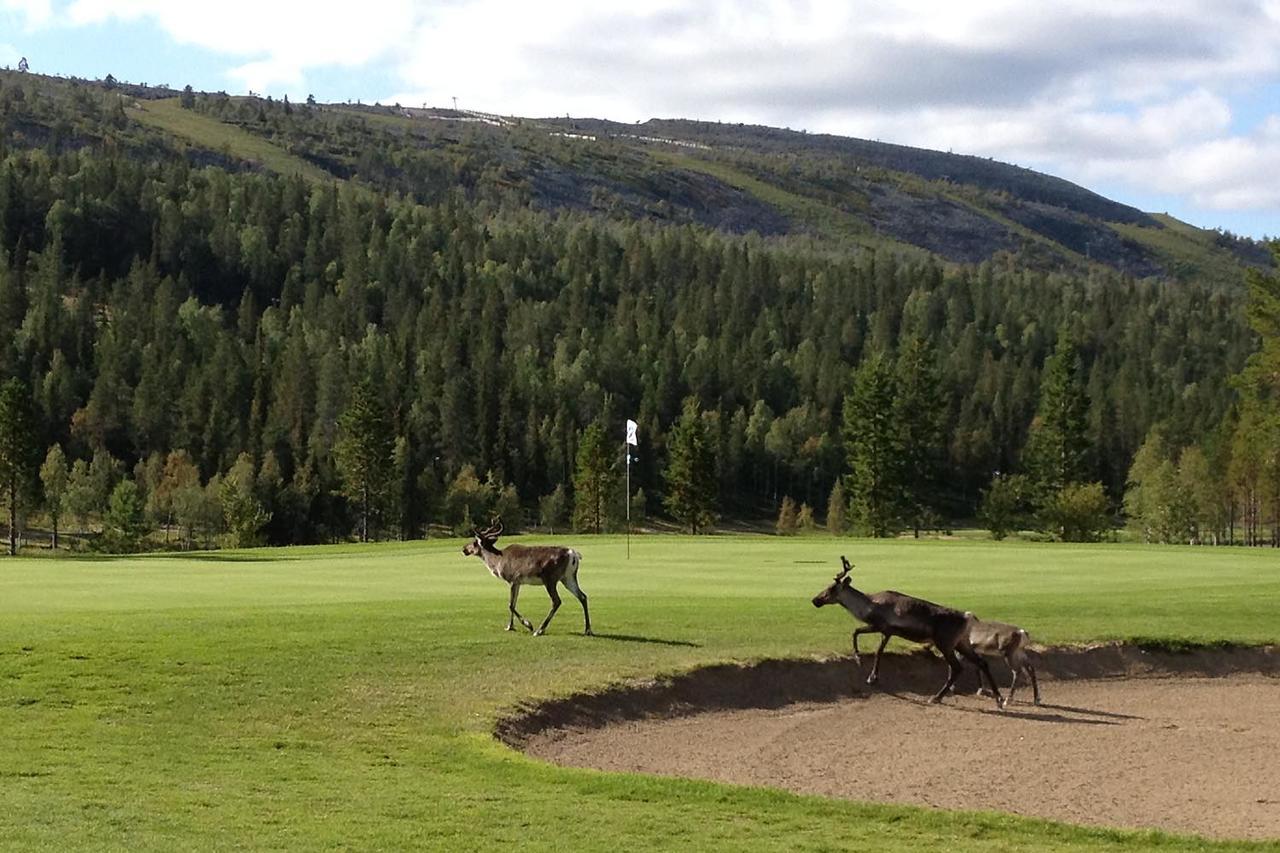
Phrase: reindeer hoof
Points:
(537, 633)
(588, 633)
(873, 678)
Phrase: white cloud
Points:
(35, 13)
(281, 40)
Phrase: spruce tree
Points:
(920, 409)
(364, 453)
(873, 443)
(1057, 453)
(594, 481)
(691, 470)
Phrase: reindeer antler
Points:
(845, 571)
(493, 531)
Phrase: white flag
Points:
(632, 427)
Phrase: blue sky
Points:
(1169, 105)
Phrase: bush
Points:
(123, 524)
(1003, 507)
(786, 525)
(1079, 513)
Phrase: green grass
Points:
(344, 697)
(823, 219)
(207, 132)
(1189, 252)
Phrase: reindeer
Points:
(892, 614)
(996, 639)
(527, 564)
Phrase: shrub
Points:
(1003, 507)
(1078, 513)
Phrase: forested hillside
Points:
(183, 319)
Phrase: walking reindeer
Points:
(529, 564)
(892, 614)
(998, 639)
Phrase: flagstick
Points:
(626, 447)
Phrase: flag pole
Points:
(631, 439)
(626, 447)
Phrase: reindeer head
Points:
(830, 595)
(482, 539)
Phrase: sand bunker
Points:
(1126, 738)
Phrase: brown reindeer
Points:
(527, 564)
(892, 614)
(996, 639)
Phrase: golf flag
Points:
(632, 427)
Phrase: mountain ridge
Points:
(839, 191)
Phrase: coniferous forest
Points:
(200, 354)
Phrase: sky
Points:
(1168, 105)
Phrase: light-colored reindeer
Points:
(528, 564)
(997, 639)
(893, 614)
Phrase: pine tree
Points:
(874, 448)
(364, 453)
(1057, 453)
(18, 452)
(594, 481)
(920, 408)
(691, 470)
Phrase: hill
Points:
(831, 190)
(194, 286)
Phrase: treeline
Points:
(155, 308)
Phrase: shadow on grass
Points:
(632, 638)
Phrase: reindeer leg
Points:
(981, 662)
(875, 667)
(856, 657)
(953, 672)
(1035, 686)
(555, 605)
(571, 584)
(515, 593)
(1013, 685)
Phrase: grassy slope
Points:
(207, 132)
(1189, 253)
(821, 218)
(343, 696)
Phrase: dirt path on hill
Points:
(1162, 744)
